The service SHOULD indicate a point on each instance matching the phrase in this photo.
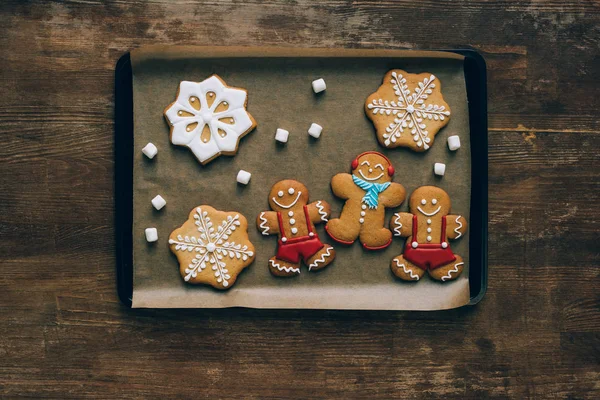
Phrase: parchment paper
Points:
(278, 82)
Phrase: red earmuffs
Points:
(390, 170)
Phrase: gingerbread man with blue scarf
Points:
(368, 191)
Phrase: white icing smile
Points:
(430, 214)
(369, 179)
(290, 205)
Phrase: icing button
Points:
(361, 220)
(429, 238)
(311, 234)
(428, 221)
(291, 213)
(294, 230)
(414, 245)
(292, 221)
(444, 245)
(362, 213)
(283, 239)
(428, 230)
(364, 206)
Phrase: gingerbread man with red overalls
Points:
(428, 227)
(293, 219)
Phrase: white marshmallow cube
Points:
(439, 169)
(454, 142)
(319, 85)
(315, 130)
(281, 135)
(151, 235)
(158, 202)
(243, 177)
(150, 150)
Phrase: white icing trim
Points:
(262, 224)
(455, 269)
(369, 179)
(407, 271)
(431, 214)
(284, 268)
(321, 211)
(398, 225)
(460, 225)
(288, 206)
(322, 259)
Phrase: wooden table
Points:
(63, 332)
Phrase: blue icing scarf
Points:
(373, 189)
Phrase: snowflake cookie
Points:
(209, 118)
(408, 110)
(212, 247)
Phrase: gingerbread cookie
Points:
(428, 227)
(209, 118)
(212, 247)
(293, 219)
(368, 191)
(405, 118)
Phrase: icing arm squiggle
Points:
(322, 259)
(283, 268)
(460, 225)
(398, 225)
(321, 211)
(455, 269)
(262, 224)
(407, 271)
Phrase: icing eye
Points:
(423, 201)
(280, 193)
(291, 191)
(379, 166)
(434, 202)
(365, 163)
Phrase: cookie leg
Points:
(375, 238)
(405, 270)
(321, 259)
(448, 272)
(343, 230)
(283, 268)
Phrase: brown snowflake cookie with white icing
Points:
(368, 191)
(293, 219)
(212, 247)
(428, 227)
(408, 110)
(209, 118)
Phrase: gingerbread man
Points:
(428, 227)
(293, 219)
(368, 191)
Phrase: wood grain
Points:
(63, 333)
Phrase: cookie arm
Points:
(393, 196)
(456, 226)
(266, 222)
(401, 224)
(319, 211)
(342, 186)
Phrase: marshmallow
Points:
(282, 135)
(243, 177)
(150, 150)
(453, 142)
(151, 235)
(439, 168)
(319, 85)
(158, 202)
(315, 130)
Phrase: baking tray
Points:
(475, 81)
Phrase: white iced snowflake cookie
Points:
(212, 247)
(408, 110)
(209, 118)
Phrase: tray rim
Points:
(476, 85)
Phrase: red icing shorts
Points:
(304, 247)
(430, 256)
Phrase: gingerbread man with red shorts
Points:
(428, 227)
(294, 219)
